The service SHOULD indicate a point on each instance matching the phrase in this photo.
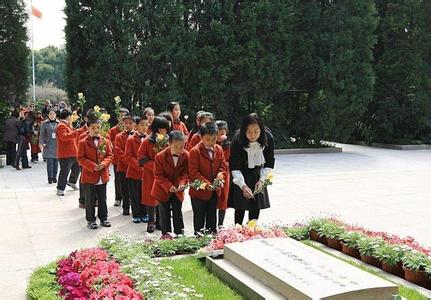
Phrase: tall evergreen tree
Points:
(401, 103)
(13, 50)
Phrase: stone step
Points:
(243, 283)
(297, 271)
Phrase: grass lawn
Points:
(406, 292)
(43, 283)
(193, 273)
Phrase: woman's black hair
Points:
(171, 105)
(64, 113)
(248, 120)
(208, 128)
(159, 123)
(176, 135)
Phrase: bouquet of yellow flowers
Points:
(162, 141)
(202, 185)
(104, 119)
(266, 182)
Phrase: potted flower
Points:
(414, 264)
(367, 247)
(314, 226)
(297, 232)
(391, 257)
(428, 275)
(349, 243)
(332, 232)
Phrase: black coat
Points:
(239, 161)
(11, 128)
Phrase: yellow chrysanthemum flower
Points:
(96, 108)
(117, 99)
(203, 186)
(80, 95)
(270, 176)
(159, 137)
(252, 224)
(105, 117)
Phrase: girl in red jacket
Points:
(206, 164)
(171, 177)
(175, 110)
(152, 145)
(134, 170)
(95, 156)
(196, 138)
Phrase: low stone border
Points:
(309, 150)
(396, 146)
(388, 276)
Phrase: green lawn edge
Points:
(43, 283)
(193, 272)
(404, 291)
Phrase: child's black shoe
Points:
(54, 180)
(126, 212)
(105, 223)
(91, 225)
(151, 227)
(136, 220)
(50, 180)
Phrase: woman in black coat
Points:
(10, 136)
(252, 158)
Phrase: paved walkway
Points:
(383, 189)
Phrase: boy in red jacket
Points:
(112, 134)
(120, 147)
(95, 156)
(134, 170)
(66, 153)
(170, 179)
(206, 164)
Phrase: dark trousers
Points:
(205, 214)
(125, 195)
(151, 210)
(221, 215)
(165, 208)
(117, 184)
(67, 165)
(10, 153)
(253, 214)
(52, 167)
(138, 210)
(21, 153)
(81, 198)
(91, 193)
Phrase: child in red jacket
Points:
(196, 138)
(152, 145)
(134, 170)
(95, 156)
(206, 164)
(120, 147)
(222, 140)
(171, 177)
(175, 110)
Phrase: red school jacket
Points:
(66, 140)
(134, 170)
(223, 200)
(146, 155)
(194, 141)
(120, 147)
(180, 126)
(89, 156)
(202, 167)
(79, 133)
(166, 174)
(112, 134)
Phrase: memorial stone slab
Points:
(297, 271)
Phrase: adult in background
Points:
(46, 109)
(66, 153)
(252, 157)
(48, 142)
(25, 132)
(10, 136)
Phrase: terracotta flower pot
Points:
(334, 244)
(315, 237)
(417, 277)
(371, 261)
(395, 270)
(350, 251)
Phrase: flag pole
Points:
(32, 51)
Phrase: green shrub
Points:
(367, 246)
(351, 238)
(298, 233)
(331, 230)
(389, 254)
(415, 261)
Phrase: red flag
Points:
(35, 12)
